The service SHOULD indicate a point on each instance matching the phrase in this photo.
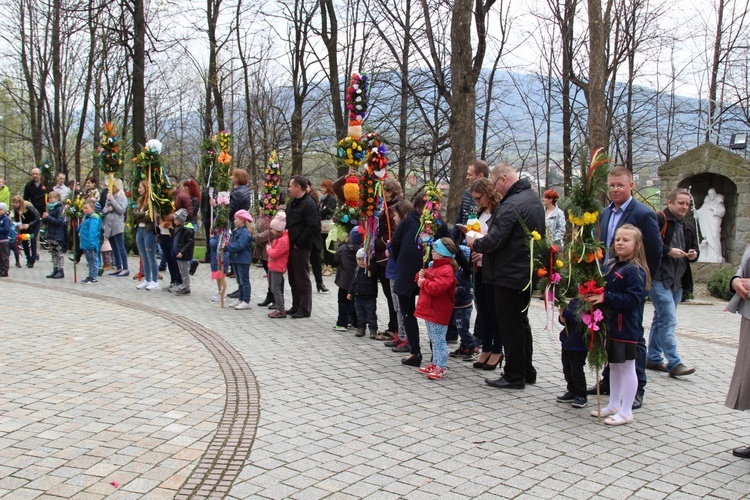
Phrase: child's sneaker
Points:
(183, 291)
(427, 369)
(402, 346)
(459, 352)
(472, 355)
(437, 373)
(86, 281)
(580, 402)
(337, 328)
(235, 303)
(216, 298)
(568, 397)
(392, 343)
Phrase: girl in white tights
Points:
(627, 280)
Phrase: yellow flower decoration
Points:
(536, 235)
(559, 263)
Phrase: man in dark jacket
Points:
(302, 222)
(34, 192)
(679, 247)
(624, 209)
(506, 268)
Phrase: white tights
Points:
(623, 384)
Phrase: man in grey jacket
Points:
(506, 270)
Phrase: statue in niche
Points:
(709, 217)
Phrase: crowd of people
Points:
(647, 254)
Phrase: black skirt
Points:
(619, 351)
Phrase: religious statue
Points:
(709, 217)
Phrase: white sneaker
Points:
(234, 304)
(142, 285)
(216, 298)
(242, 305)
(154, 285)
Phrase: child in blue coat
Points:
(90, 234)
(241, 256)
(6, 227)
(574, 352)
(627, 279)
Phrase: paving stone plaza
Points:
(111, 392)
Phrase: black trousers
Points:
(299, 280)
(485, 299)
(317, 265)
(385, 284)
(511, 308)
(408, 306)
(573, 363)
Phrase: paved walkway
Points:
(106, 391)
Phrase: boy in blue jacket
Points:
(5, 229)
(574, 352)
(90, 234)
(183, 244)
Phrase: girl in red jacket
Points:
(278, 258)
(437, 286)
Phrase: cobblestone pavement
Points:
(157, 393)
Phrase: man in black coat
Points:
(506, 269)
(624, 209)
(35, 192)
(302, 223)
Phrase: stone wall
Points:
(708, 166)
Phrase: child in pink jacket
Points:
(278, 258)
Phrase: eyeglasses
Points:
(499, 178)
(617, 188)
(477, 198)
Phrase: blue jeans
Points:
(92, 258)
(661, 339)
(439, 345)
(365, 308)
(117, 242)
(462, 319)
(243, 281)
(146, 241)
(346, 309)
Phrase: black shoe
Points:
(392, 343)
(568, 397)
(459, 353)
(52, 274)
(741, 452)
(58, 275)
(603, 390)
(321, 288)
(162, 268)
(638, 401)
(300, 314)
(235, 294)
(413, 360)
(265, 302)
(580, 402)
(193, 267)
(291, 311)
(657, 367)
(30, 264)
(501, 383)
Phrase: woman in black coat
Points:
(408, 256)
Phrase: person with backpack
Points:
(679, 248)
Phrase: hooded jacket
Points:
(437, 296)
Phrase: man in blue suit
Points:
(624, 209)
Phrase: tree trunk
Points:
(138, 89)
(403, 130)
(599, 22)
(462, 123)
(714, 82)
(58, 160)
(87, 88)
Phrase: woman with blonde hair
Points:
(114, 227)
(24, 213)
(145, 238)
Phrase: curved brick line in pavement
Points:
(230, 447)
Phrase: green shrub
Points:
(718, 283)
